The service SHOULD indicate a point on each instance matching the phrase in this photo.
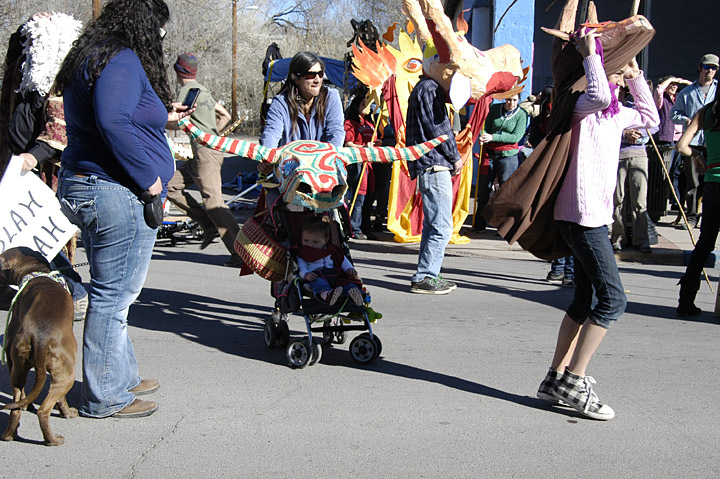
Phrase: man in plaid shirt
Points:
(427, 119)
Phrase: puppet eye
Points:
(413, 65)
(289, 166)
(304, 188)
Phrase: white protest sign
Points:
(30, 214)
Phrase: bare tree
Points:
(204, 27)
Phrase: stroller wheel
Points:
(363, 349)
(298, 354)
(282, 333)
(316, 352)
(378, 343)
(270, 333)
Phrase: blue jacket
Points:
(116, 129)
(688, 102)
(278, 124)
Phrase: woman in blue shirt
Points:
(305, 109)
(117, 103)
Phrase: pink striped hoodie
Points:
(586, 195)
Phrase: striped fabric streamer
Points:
(245, 149)
(387, 154)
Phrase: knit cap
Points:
(186, 65)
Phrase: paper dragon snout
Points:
(312, 174)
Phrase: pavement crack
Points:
(157, 443)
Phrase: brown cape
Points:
(523, 208)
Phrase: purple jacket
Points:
(666, 131)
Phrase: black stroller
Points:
(291, 296)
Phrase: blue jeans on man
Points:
(595, 270)
(435, 186)
(119, 246)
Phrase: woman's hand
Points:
(632, 69)
(265, 168)
(699, 162)
(179, 112)
(352, 272)
(156, 188)
(585, 41)
(29, 161)
(485, 138)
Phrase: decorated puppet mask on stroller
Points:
(312, 174)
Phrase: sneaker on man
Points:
(447, 283)
(429, 286)
(80, 308)
(577, 392)
(568, 282)
(555, 278)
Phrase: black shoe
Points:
(568, 283)
(234, 262)
(688, 310)
(208, 237)
(447, 283)
(369, 235)
(645, 248)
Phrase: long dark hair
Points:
(133, 24)
(353, 110)
(299, 65)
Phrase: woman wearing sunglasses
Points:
(304, 109)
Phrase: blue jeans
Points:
(595, 269)
(357, 213)
(709, 228)
(119, 246)
(500, 168)
(564, 266)
(436, 190)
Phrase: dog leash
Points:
(54, 275)
(72, 266)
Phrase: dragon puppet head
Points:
(311, 174)
(464, 71)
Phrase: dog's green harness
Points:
(54, 275)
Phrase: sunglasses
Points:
(312, 75)
(709, 67)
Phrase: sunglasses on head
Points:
(312, 75)
(709, 67)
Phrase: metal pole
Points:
(96, 8)
(233, 97)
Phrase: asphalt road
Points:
(453, 394)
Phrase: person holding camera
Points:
(204, 168)
(117, 102)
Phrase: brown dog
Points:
(40, 335)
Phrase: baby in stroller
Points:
(328, 272)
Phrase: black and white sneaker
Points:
(577, 392)
(544, 392)
(555, 278)
(430, 286)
